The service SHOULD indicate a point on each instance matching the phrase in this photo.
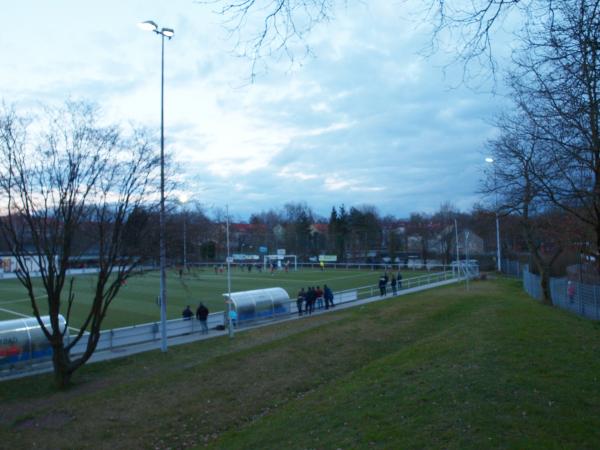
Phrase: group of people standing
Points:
(314, 296)
(395, 283)
(201, 315)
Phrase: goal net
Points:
(280, 262)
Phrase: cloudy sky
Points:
(367, 119)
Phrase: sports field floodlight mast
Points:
(149, 25)
(499, 264)
(183, 198)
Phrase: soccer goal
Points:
(280, 262)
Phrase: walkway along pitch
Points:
(133, 349)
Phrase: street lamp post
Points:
(229, 305)
(168, 33)
(457, 252)
(183, 199)
(467, 262)
(498, 255)
(184, 242)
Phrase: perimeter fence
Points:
(512, 268)
(579, 298)
(410, 264)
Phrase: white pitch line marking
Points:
(15, 313)
(21, 300)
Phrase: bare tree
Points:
(271, 28)
(444, 218)
(65, 179)
(298, 218)
(364, 230)
(556, 85)
(419, 225)
(522, 164)
(278, 28)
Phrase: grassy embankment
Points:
(446, 368)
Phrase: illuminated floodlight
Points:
(168, 32)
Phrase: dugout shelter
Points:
(259, 303)
(22, 341)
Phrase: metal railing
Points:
(403, 284)
(120, 338)
(148, 332)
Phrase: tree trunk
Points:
(597, 250)
(545, 285)
(62, 365)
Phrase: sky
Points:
(366, 119)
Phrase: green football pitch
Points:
(137, 300)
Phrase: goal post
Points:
(281, 261)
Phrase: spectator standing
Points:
(310, 300)
(299, 300)
(328, 295)
(319, 297)
(202, 316)
(382, 283)
(187, 313)
(571, 291)
(233, 316)
(394, 284)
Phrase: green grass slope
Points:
(446, 368)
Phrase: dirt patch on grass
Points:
(54, 420)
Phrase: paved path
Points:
(122, 352)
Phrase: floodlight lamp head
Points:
(148, 25)
(489, 160)
(167, 32)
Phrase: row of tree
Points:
(546, 169)
(357, 233)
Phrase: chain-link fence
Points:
(580, 298)
(512, 268)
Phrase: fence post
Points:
(579, 299)
(596, 301)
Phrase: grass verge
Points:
(446, 368)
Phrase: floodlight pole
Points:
(457, 252)
(229, 304)
(163, 32)
(498, 251)
(467, 273)
(498, 255)
(184, 241)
